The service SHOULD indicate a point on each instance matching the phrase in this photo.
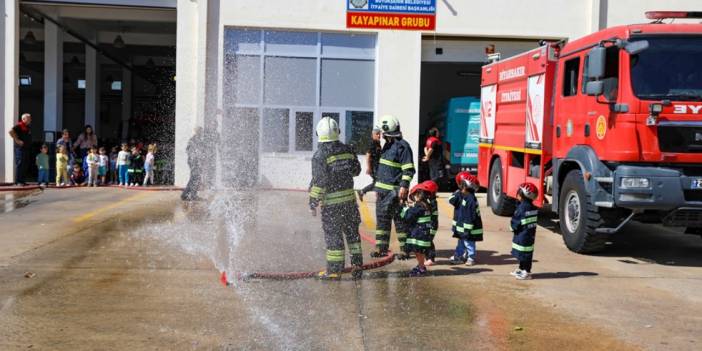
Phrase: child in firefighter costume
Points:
(467, 224)
(334, 165)
(524, 227)
(395, 172)
(418, 218)
(432, 188)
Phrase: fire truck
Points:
(609, 127)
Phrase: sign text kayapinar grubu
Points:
(391, 14)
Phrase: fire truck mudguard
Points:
(598, 177)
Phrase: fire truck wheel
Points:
(579, 217)
(500, 203)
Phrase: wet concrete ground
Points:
(135, 270)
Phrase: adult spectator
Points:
(433, 155)
(65, 140)
(86, 140)
(21, 134)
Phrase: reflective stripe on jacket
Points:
(334, 165)
(467, 223)
(523, 225)
(396, 166)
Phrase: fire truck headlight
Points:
(635, 183)
(655, 108)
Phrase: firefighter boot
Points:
(328, 276)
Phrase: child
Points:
(136, 168)
(468, 226)
(93, 161)
(42, 162)
(433, 188)
(372, 161)
(103, 161)
(62, 165)
(418, 219)
(123, 160)
(113, 165)
(149, 165)
(524, 227)
(77, 176)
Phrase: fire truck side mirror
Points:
(635, 47)
(596, 62)
(594, 88)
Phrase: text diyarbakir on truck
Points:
(608, 126)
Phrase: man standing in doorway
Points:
(433, 155)
(334, 165)
(21, 134)
(395, 172)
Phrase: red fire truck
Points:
(609, 127)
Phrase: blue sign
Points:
(426, 7)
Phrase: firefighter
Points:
(333, 167)
(395, 172)
(524, 227)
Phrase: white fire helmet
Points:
(390, 126)
(327, 130)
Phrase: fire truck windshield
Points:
(669, 69)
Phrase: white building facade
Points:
(264, 72)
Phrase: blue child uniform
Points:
(431, 255)
(467, 223)
(524, 227)
(418, 219)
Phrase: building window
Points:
(304, 129)
(359, 125)
(570, 77)
(274, 130)
(295, 78)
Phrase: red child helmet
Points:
(431, 187)
(467, 179)
(420, 187)
(529, 190)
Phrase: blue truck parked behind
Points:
(459, 123)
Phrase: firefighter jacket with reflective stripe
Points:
(396, 166)
(467, 223)
(333, 167)
(418, 220)
(524, 227)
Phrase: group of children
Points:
(421, 215)
(124, 167)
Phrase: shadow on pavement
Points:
(562, 275)
(655, 244)
(431, 273)
(486, 257)
(549, 220)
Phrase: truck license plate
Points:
(696, 183)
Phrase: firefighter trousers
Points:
(387, 210)
(339, 222)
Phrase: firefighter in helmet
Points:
(395, 172)
(334, 165)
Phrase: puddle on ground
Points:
(13, 200)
